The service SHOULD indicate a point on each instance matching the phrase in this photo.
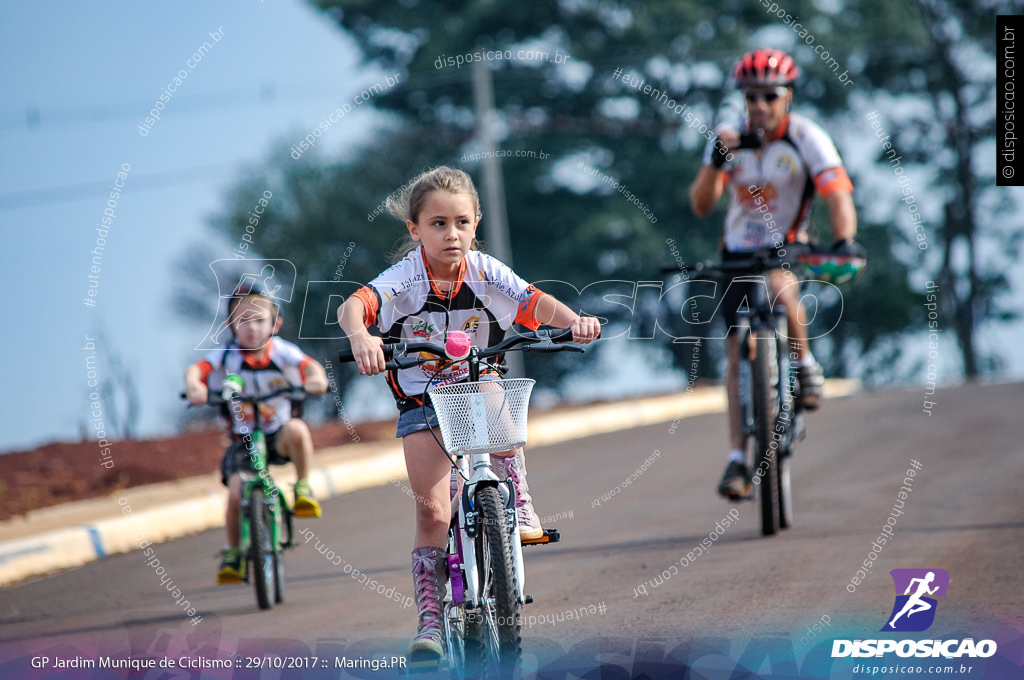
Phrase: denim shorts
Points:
(412, 421)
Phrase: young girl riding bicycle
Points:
(444, 284)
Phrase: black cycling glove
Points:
(849, 248)
(718, 153)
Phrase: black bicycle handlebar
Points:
(542, 340)
(291, 393)
(758, 262)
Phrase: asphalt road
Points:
(749, 602)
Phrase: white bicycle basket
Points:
(482, 417)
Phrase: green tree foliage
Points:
(909, 60)
(940, 55)
(578, 111)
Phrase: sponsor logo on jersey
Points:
(423, 329)
(787, 163)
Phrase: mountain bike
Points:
(478, 418)
(265, 518)
(769, 389)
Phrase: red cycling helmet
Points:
(765, 67)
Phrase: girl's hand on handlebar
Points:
(369, 357)
(585, 329)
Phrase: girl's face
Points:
(446, 226)
(254, 322)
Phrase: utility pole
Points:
(495, 216)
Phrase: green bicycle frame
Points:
(263, 482)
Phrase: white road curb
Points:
(75, 546)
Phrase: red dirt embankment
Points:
(58, 473)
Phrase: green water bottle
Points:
(233, 384)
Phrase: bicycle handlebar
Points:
(543, 340)
(758, 262)
(291, 393)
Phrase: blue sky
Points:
(77, 80)
(89, 73)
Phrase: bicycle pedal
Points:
(550, 536)
(307, 510)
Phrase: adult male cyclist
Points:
(772, 176)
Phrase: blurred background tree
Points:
(927, 66)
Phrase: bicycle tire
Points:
(474, 646)
(764, 387)
(787, 402)
(785, 493)
(501, 623)
(282, 530)
(261, 550)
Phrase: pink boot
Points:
(430, 577)
(529, 525)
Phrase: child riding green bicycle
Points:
(265, 363)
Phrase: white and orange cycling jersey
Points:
(407, 306)
(770, 196)
(281, 366)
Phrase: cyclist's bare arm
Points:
(195, 390)
(551, 312)
(843, 215)
(365, 347)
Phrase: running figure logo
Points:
(914, 610)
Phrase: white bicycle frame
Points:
(477, 467)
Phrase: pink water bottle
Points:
(457, 345)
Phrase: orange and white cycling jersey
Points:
(280, 367)
(406, 305)
(771, 190)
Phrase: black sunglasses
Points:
(754, 97)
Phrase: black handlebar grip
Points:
(561, 335)
(346, 355)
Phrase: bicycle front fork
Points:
(464, 572)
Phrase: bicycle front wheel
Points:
(499, 620)
(787, 401)
(261, 551)
(764, 386)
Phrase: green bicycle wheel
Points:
(261, 551)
